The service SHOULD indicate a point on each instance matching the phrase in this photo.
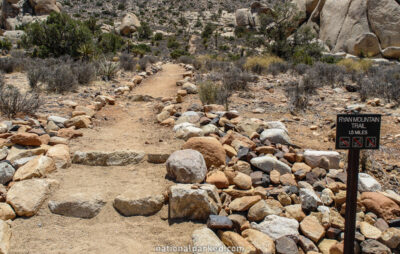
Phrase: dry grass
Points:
(362, 65)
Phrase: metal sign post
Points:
(353, 133)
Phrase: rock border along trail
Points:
(130, 127)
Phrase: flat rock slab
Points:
(132, 204)
(119, 158)
(79, 205)
(27, 197)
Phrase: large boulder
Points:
(211, 149)
(355, 36)
(187, 166)
(26, 139)
(26, 197)
(379, 204)
(384, 18)
(243, 17)
(79, 205)
(38, 167)
(332, 17)
(193, 201)
(132, 203)
(118, 158)
(130, 23)
(44, 7)
(391, 52)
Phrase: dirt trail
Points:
(126, 126)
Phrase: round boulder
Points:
(187, 166)
(212, 150)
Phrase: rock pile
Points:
(258, 191)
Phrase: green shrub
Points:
(5, 44)
(208, 92)
(158, 37)
(108, 70)
(208, 31)
(139, 49)
(172, 43)
(144, 32)
(110, 43)
(58, 35)
(175, 54)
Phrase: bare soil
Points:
(125, 126)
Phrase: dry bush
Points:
(260, 64)
(127, 62)
(208, 92)
(61, 79)
(351, 65)
(85, 72)
(12, 102)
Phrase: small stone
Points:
(217, 178)
(295, 212)
(6, 172)
(187, 166)
(367, 183)
(369, 231)
(78, 122)
(286, 245)
(276, 227)
(372, 246)
(312, 228)
(206, 237)
(309, 200)
(327, 197)
(275, 177)
(232, 239)
(242, 181)
(38, 167)
(157, 158)
(132, 204)
(263, 243)
(211, 149)
(287, 180)
(6, 212)
(301, 166)
(79, 205)
(391, 238)
(307, 245)
(284, 199)
(244, 203)
(61, 155)
(262, 209)
(325, 245)
(267, 164)
(217, 222)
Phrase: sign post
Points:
(355, 132)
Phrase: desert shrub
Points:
(208, 31)
(12, 102)
(110, 43)
(85, 72)
(208, 92)
(352, 65)
(5, 44)
(108, 70)
(61, 79)
(260, 64)
(176, 53)
(127, 62)
(301, 68)
(139, 49)
(172, 43)
(158, 37)
(144, 32)
(35, 74)
(58, 35)
(7, 64)
(297, 95)
(190, 60)
(235, 79)
(328, 74)
(278, 67)
(383, 82)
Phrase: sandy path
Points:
(129, 126)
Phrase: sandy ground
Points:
(125, 126)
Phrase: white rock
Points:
(187, 166)
(6, 172)
(57, 119)
(315, 158)
(268, 163)
(367, 183)
(276, 227)
(277, 136)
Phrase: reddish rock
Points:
(380, 205)
(69, 133)
(26, 139)
(213, 152)
(218, 178)
(290, 157)
(232, 136)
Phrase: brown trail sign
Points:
(355, 132)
